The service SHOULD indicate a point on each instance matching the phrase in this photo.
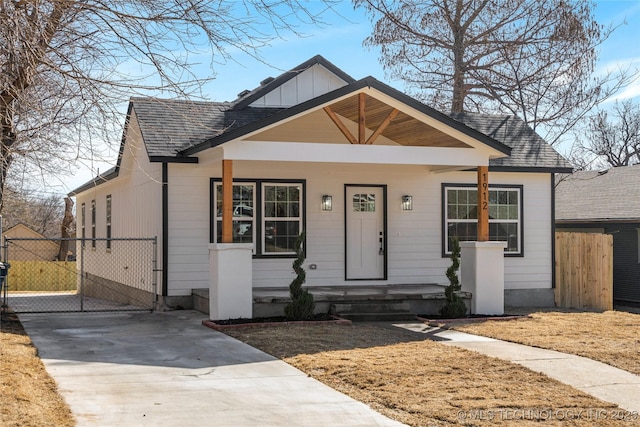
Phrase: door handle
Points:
(380, 239)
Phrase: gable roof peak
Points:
(246, 97)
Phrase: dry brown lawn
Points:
(28, 395)
(612, 337)
(420, 382)
(399, 373)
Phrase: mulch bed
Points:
(322, 318)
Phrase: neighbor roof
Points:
(592, 196)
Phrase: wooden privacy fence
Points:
(39, 276)
(584, 271)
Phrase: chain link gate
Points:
(116, 274)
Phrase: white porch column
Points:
(230, 281)
(482, 274)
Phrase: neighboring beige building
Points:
(29, 250)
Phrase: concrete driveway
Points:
(166, 369)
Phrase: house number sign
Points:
(483, 202)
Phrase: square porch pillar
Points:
(482, 274)
(230, 281)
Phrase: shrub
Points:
(302, 305)
(454, 305)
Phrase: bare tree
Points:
(65, 229)
(66, 66)
(613, 138)
(533, 59)
(42, 214)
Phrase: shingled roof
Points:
(592, 196)
(170, 126)
(174, 129)
(528, 149)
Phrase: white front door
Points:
(365, 232)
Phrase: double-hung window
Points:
(268, 214)
(282, 219)
(244, 224)
(460, 213)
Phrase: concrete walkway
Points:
(595, 378)
(166, 369)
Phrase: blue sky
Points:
(341, 43)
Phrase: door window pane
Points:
(364, 202)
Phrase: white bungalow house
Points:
(380, 182)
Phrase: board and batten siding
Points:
(309, 84)
(414, 237)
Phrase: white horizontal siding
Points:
(188, 237)
(414, 237)
(136, 203)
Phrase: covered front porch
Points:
(364, 128)
(413, 299)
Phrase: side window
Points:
(83, 220)
(93, 224)
(108, 222)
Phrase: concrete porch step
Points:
(366, 311)
(403, 301)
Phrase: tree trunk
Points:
(66, 223)
(7, 140)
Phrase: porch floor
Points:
(424, 298)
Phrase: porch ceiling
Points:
(403, 129)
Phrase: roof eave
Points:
(170, 159)
(101, 179)
(544, 169)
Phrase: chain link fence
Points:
(92, 275)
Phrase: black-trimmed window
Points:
(244, 224)
(83, 221)
(108, 222)
(93, 224)
(460, 215)
(267, 213)
(282, 219)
